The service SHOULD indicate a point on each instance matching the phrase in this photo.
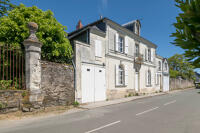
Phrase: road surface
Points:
(172, 113)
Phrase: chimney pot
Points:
(79, 25)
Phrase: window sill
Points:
(98, 56)
(118, 86)
(148, 85)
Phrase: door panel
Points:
(165, 83)
(136, 82)
(87, 84)
(100, 89)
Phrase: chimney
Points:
(79, 25)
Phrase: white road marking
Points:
(103, 127)
(147, 111)
(169, 103)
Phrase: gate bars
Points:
(12, 66)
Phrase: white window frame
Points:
(137, 50)
(149, 78)
(121, 44)
(120, 76)
(159, 65)
(149, 55)
(166, 66)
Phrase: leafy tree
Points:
(187, 35)
(13, 31)
(179, 66)
(5, 6)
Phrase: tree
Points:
(187, 35)
(13, 31)
(179, 66)
(5, 6)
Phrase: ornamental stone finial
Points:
(33, 27)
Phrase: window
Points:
(149, 55)
(149, 77)
(121, 44)
(165, 66)
(136, 50)
(159, 66)
(121, 76)
(157, 79)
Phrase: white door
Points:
(87, 84)
(165, 83)
(136, 82)
(100, 87)
(93, 84)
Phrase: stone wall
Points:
(57, 83)
(180, 84)
(10, 100)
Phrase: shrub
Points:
(5, 84)
(76, 104)
(129, 95)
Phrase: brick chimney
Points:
(79, 25)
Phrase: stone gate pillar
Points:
(33, 65)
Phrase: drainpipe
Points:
(74, 73)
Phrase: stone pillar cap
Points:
(33, 27)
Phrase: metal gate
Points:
(12, 68)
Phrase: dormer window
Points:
(133, 26)
(165, 66)
(159, 66)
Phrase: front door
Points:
(87, 84)
(136, 82)
(100, 87)
(165, 83)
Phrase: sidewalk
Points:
(118, 101)
(123, 100)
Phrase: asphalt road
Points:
(172, 113)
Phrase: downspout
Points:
(74, 73)
(74, 79)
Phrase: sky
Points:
(156, 16)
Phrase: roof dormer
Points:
(134, 26)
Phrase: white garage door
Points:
(93, 84)
(165, 83)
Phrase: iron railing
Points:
(12, 68)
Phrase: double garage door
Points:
(93, 84)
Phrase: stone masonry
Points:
(33, 65)
(57, 83)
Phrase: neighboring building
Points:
(197, 77)
(113, 60)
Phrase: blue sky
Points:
(157, 16)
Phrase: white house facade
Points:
(113, 61)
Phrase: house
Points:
(113, 60)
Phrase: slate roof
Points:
(106, 20)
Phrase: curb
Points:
(124, 100)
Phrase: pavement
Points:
(175, 112)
